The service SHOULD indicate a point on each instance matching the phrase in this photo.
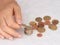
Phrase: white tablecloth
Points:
(32, 9)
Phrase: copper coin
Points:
(41, 30)
(39, 35)
(40, 24)
(47, 22)
(38, 19)
(32, 23)
(47, 18)
(53, 27)
(55, 22)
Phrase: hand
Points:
(10, 18)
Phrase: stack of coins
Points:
(28, 30)
(39, 25)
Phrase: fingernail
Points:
(10, 38)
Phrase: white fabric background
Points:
(30, 10)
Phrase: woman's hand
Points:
(10, 18)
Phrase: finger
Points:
(6, 35)
(7, 29)
(10, 21)
(17, 12)
(12, 32)
(3, 25)
(1, 36)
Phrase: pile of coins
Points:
(39, 25)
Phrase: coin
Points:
(28, 32)
(55, 22)
(38, 19)
(32, 23)
(34, 27)
(28, 28)
(41, 30)
(39, 35)
(40, 24)
(46, 18)
(53, 27)
(47, 22)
